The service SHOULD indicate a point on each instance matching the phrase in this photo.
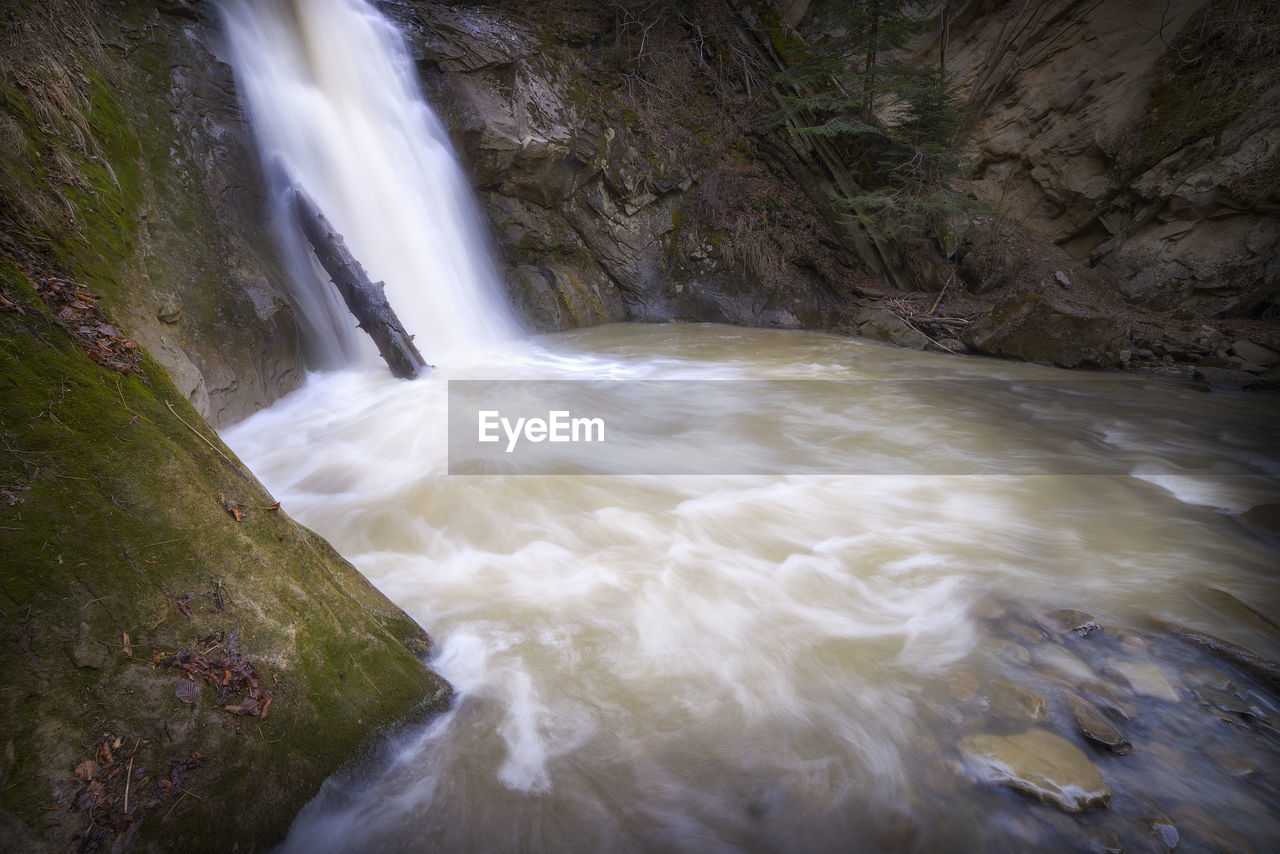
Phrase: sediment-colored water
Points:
(790, 662)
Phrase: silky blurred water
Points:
(337, 111)
(777, 662)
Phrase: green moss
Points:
(108, 196)
(1217, 67)
(1184, 109)
(108, 165)
(119, 513)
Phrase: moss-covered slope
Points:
(120, 547)
(123, 154)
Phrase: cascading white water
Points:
(786, 663)
(764, 663)
(337, 109)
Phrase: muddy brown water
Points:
(788, 661)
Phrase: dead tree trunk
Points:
(366, 300)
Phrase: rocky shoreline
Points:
(1117, 738)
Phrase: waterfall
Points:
(336, 108)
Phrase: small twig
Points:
(201, 435)
(269, 507)
(120, 392)
(365, 675)
(111, 645)
(175, 804)
(163, 543)
(930, 340)
(128, 776)
(938, 301)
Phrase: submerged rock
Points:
(1093, 725)
(1107, 699)
(1162, 833)
(1100, 840)
(963, 686)
(1231, 703)
(1075, 622)
(1040, 764)
(1259, 666)
(1056, 661)
(1145, 679)
(1232, 762)
(1055, 332)
(1014, 653)
(1025, 632)
(1008, 701)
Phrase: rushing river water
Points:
(787, 662)
(827, 637)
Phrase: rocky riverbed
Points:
(1096, 737)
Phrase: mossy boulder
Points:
(132, 541)
(1058, 332)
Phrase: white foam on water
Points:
(696, 663)
(337, 110)
(642, 661)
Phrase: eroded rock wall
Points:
(595, 217)
(126, 157)
(1143, 138)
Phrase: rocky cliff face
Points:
(124, 155)
(617, 197)
(618, 192)
(1142, 138)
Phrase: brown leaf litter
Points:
(232, 675)
(117, 793)
(76, 310)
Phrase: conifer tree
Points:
(893, 126)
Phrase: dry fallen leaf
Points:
(187, 691)
(87, 770)
(127, 649)
(230, 507)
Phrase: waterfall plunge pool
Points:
(790, 662)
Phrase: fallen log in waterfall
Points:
(366, 299)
